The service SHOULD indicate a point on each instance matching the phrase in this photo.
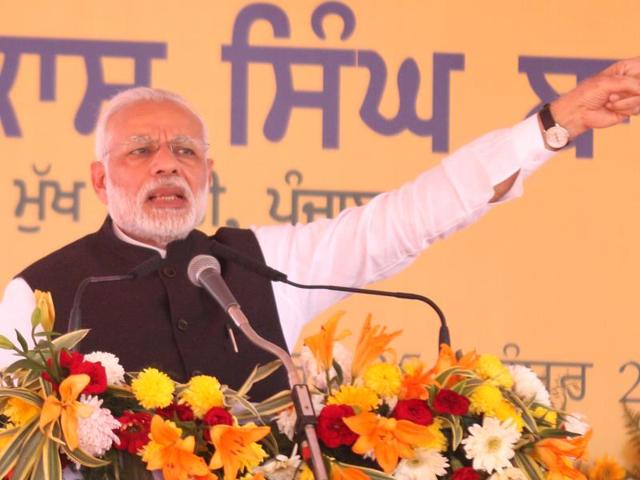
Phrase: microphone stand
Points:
(306, 417)
(209, 278)
(262, 269)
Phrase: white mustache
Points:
(172, 182)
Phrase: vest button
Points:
(182, 324)
(169, 272)
(195, 373)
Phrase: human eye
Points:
(139, 151)
(186, 151)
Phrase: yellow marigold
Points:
(491, 368)
(485, 399)
(439, 441)
(361, 398)
(505, 410)
(153, 388)
(607, 469)
(202, 393)
(384, 379)
(305, 473)
(19, 411)
(546, 414)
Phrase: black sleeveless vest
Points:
(162, 320)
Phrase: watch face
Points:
(556, 137)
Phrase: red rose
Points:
(465, 473)
(332, 431)
(414, 410)
(67, 361)
(215, 416)
(134, 431)
(448, 401)
(70, 360)
(97, 376)
(177, 411)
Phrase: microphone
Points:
(274, 275)
(145, 268)
(204, 271)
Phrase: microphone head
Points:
(198, 264)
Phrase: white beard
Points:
(157, 225)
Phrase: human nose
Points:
(164, 161)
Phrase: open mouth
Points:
(167, 197)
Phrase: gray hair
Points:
(129, 97)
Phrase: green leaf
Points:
(25, 364)
(36, 317)
(23, 394)
(83, 458)
(470, 385)
(260, 372)
(556, 433)
(13, 448)
(526, 463)
(267, 407)
(30, 452)
(339, 373)
(69, 340)
(529, 421)
(22, 341)
(373, 474)
(444, 377)
(453, 422)
(50, 462)
(6, 344)
(9, 432)
(47, 334)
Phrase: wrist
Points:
(554, 135)
(567, 117)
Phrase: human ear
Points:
(98, 180)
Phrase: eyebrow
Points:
(148, 138)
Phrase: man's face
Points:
(156, 176)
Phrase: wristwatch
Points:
(555, 136)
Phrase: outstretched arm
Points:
(601, 101)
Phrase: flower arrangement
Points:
(468, 417)
(60, 408)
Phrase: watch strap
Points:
(546, 117)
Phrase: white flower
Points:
(316, 376)
(428, 464)
(575, 423)
(509, 474)
(528, 386)
(95, 432)
(286, 420)
(111, 364)
(281, 467)
(490, 445)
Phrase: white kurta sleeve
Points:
(369, 243)
(18, 303)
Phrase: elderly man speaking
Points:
(152, 171)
